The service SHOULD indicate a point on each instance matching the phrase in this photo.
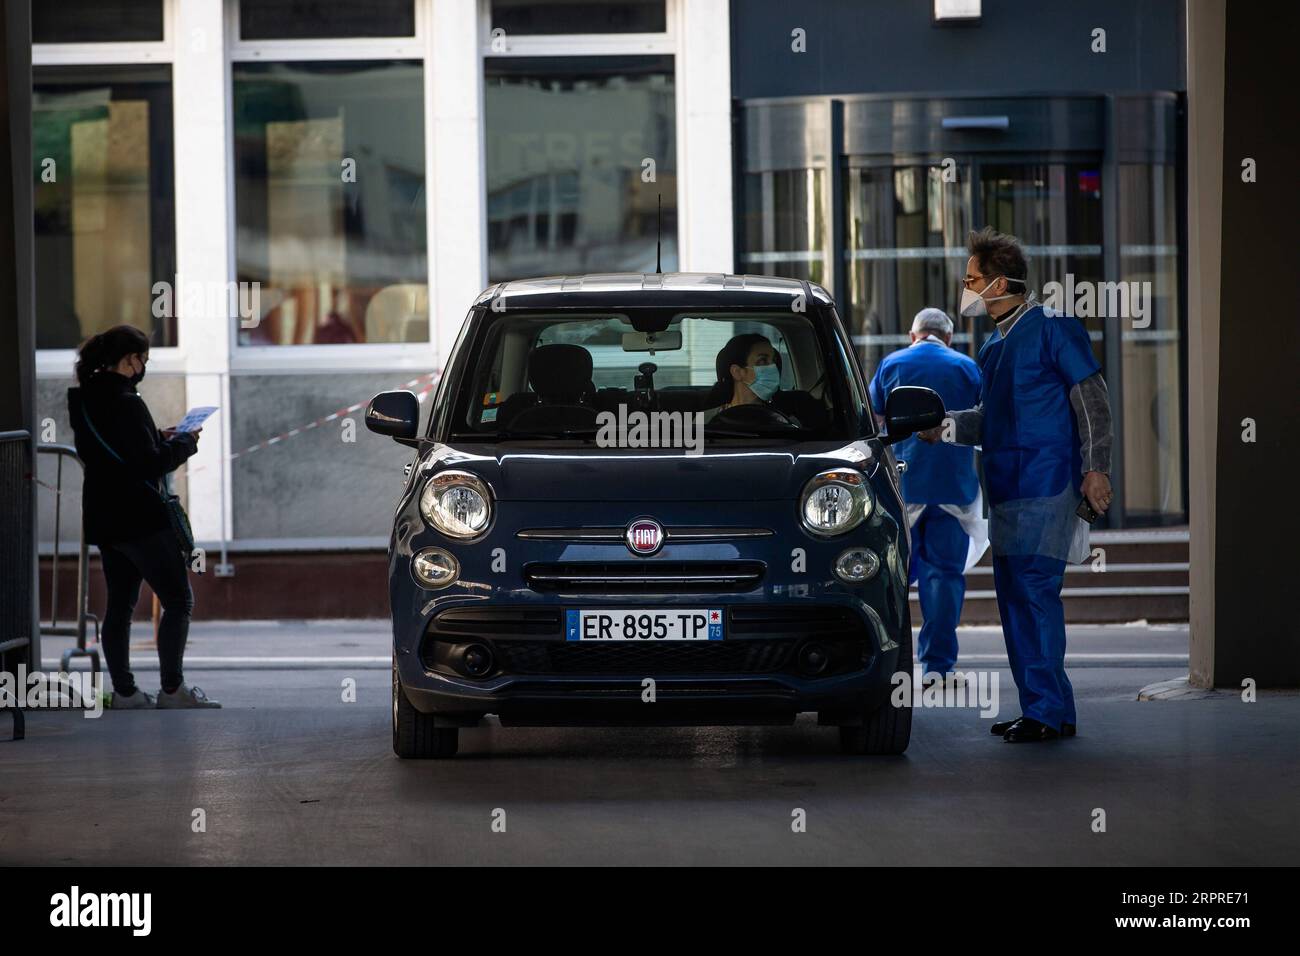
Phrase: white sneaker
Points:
(137, 701)
(185, 697)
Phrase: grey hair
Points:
(932, 320)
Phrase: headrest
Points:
(559, 370)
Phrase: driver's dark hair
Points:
(736, 352)
(998, 254)
(108, 348)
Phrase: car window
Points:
(538, 374)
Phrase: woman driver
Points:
(749, 372)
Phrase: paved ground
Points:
(290, 773)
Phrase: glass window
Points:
(785, 224)
(1054, 209)
(304, 487)
(524, 17)
(324, 19)
(97, 21)
(330, 201)
(568, 141)
(103, 200)
(525, 379)
(1152, 349)
(905, 251)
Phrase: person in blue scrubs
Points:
(940, 486)
(1043, 423)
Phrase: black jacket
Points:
(118, 500)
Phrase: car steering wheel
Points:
(751, 415)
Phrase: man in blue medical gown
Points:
(940, 487)
(1043, 423)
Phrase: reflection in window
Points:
(330, 200)
(324, 19)
(1054, 209)
(528, 17)
(103, 200)
(1152, 349)
(906, 240)
(785, 224)
(568, 140)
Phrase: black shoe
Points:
(1002, 726)
(1028, 730)
(1067, 730)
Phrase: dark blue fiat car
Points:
(651, 499)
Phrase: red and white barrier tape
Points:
(429, 378)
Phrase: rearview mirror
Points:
(910, 409)
(652, 341)
(395, 414)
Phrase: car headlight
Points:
(457, 503)
(835, 502)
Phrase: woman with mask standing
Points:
(125, 511)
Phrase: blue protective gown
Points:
(936, 475)
(1032, 475)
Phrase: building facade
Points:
(299, 199)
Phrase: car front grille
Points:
(664, 657)
(463, 623)
(758, 639)
(644, 577)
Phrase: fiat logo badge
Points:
(644, 536)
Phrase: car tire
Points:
(414, 733)
(886, 730)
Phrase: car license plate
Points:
(619, 624)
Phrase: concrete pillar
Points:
(1205, 45)
(204, 249)
(454, 169)
(19, 602)
(706, 238)
(1243, 207)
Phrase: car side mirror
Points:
(395, 414)
(911, 409)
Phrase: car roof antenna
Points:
(659, 236)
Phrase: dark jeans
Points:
(159, 560)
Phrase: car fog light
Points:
(857, 565)
(476, 660)
(435, 568)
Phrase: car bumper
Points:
(650, 696)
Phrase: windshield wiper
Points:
(574, 433)
(724, 432)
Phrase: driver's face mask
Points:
(767, 379)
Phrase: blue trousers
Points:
(939, 547)
(1033, 624)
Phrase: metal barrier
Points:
(16, 523)
(77, 629)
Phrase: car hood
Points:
(587, 474)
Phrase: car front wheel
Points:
(887, 729)
(414, 734)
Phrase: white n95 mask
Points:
(974, 305)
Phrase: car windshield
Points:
(738, 375)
